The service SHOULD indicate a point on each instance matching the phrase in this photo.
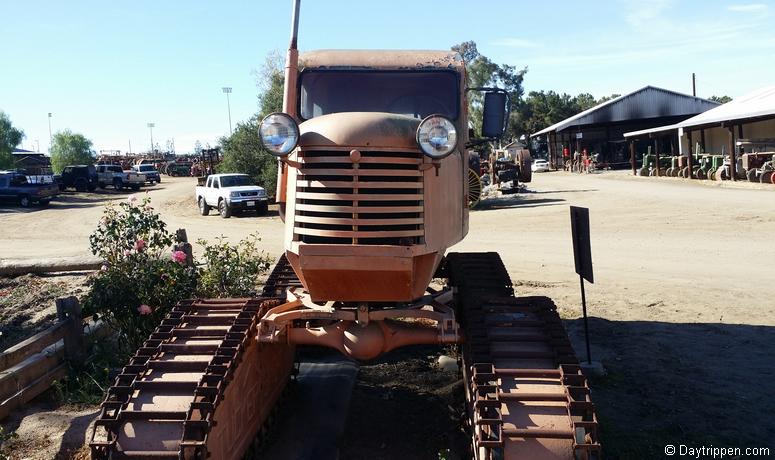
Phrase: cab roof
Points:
(381, 59)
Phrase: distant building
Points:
(32, 163)
(601, 129)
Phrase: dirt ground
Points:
(681, 313)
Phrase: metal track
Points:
(527, 397)
(164, 403)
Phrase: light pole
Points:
(150, 126)
(227, 91)
(50, 137)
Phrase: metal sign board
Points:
(582, 251)
(579, 135)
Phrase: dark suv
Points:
(79, 177)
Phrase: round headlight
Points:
(436, 136)
(279, 133)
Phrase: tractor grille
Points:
(378, 200)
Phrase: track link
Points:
(526, 394)
(165, 401)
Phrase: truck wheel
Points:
(118, 184)
(765, 177)
(263, 209)
(45, 202)
(91, 187)
(136, 187)
(203, 208)
(81, 185)
(751, 175)
(101, 184)
(223, 208)
(62, 187)
(24, 201)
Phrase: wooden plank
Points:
(23, 374)
(32, 390)
(36, 343)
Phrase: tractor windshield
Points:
(413, 93)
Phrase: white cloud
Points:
(516, 43)
(748, 8)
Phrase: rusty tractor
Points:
(373, 190)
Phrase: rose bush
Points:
(141, 279)
(231, 270)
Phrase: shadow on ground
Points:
(692, 384)
(515, 201)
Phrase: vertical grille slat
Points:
(378, 200)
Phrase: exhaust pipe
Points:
(292, 65)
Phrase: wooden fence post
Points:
(184, 245)
(68, 309)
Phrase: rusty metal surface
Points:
(526, 394)
(201, 366)
(380, 59)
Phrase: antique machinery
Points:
(373, 190)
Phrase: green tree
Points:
(242, 151)
(720, 99)
(10, 137)
(482, 72)
(70, 149)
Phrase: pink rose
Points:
(144, 309)
(127, 252)
(132, 198)
(104, 268)
(139, 245)
(179, 257)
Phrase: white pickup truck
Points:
(118, 178)
(231, 192)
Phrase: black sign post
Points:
(582, 254)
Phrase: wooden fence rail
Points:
(29, 368)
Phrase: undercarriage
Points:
(207, 380)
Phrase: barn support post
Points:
(732, 159)
(690, 154)
(632, 157)
(656, 152)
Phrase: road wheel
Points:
(81, 185)
(765, 177)
(203, 208)
(702, 174)
(474, 188)
(91, 186)
(223, 209)
(751, 175)
(101, 184)
(24, 201)
(45, 202)
(118, 184)
(772, 178)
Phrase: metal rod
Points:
(694, 85)
(295, 22)
(586, 322)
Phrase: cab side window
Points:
(217, 182)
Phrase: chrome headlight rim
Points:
(284, 148)
(427, 146)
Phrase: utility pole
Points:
(227, 91)
(50, 137)
(130, 146)
(694, 85)
(151, 126)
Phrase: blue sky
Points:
(106, 69)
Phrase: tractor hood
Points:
(360, 130)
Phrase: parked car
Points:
(229, 193)
(16, 187)
(79, 177)
(118, 178)
(148, 171)
(540, 165)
